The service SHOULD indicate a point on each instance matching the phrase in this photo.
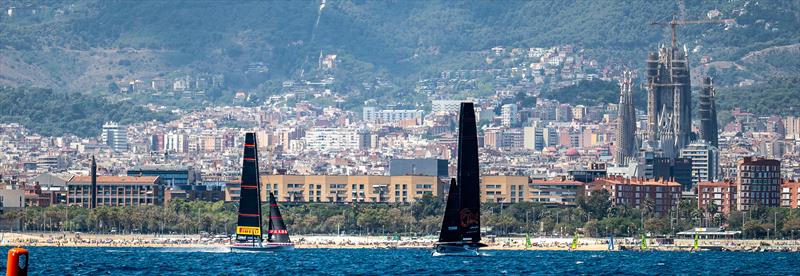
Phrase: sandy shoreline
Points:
(361, 242)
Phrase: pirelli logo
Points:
(248, 230)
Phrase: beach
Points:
(365, 242)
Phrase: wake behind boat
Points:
(461, 226)
(249, 236)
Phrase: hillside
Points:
(54, 113)
(594, 92)
(84, 45)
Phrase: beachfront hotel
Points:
(345, 189)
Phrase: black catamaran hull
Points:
(464, 250)
(262, 247)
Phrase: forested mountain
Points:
(86, 44)
(54, 113)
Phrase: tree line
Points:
(594, 216)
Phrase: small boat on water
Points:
(528, 241)
(574, 245)
(461, 226)
(249, 236)
(611, 243)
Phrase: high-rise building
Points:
(579, 112)
(758, 181)
(626, 122)
(176, 142)
(374, 115)
(509, 114)
(792, 127)
(337, 139)
(115, 136)
(533, 138)
(705, 161)
(708, 114)
(669, 105)
(420, 166)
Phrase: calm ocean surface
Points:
(212, 261)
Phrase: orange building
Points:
(721, 193)
(790, 194)
(634, 192)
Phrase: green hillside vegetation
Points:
(593, 92)
(52, 113)
(403, 37)
(778, 96)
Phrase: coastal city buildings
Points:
(705, 161)
(720, 194)
(115, 136)
(532, 148)
(658, 195)
(758, 182)
(116, 191)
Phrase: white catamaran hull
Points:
(248, 247)
(455, 250)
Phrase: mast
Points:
(468, 175)
(93, 204)
(277, 231)
(249, 223)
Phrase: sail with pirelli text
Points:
(248, 228)
(249, 236)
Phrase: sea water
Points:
(219, 261)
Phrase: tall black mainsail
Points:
(462, 219)
(277, 231)
(249, 228)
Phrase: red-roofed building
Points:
(116, 191)
(632, 192)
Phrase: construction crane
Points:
(675, 22)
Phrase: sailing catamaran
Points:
(248, 230)
(461, 226)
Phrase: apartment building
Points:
(720, 193)
(758, 182)
(633, 192)
(116, 191)
(350, 189)
(790, 194)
